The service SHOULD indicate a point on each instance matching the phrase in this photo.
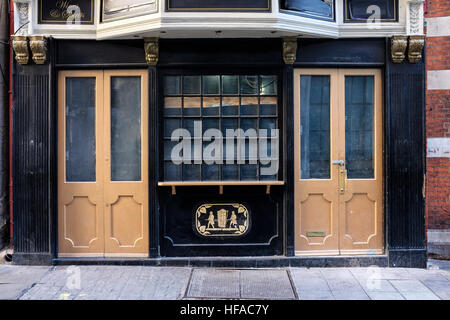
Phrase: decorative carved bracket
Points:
(398, 48)
(151, 47)
(415, 48)
(38, 46)
(20, 46)
(289, 50)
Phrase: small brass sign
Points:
(316, 234)
(222, 220)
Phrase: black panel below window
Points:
(181, 238)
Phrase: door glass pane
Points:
(80, 129)
(125, 128)
(315, 127)
(359, 126)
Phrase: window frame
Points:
(191, 71)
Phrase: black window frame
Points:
(209, 71)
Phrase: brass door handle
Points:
(342, 179)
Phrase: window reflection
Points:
(247, 102)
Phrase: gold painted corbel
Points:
(289, 50)
(398, 48)
(151, 47)
(415, 48)
(20, 47)
(38, 46)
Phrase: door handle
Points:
(342, 179)
(339, 162)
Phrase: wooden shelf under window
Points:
(220, 184)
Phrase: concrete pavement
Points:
(176, 283)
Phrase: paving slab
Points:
(266, 284)
(214, 283)
(14, 280)
(352, 294)
(414, 290)
(111, 283)
(315, 295)
(341, 280)
(308, 280)
(380, 295)
(427, 274)
(166, 283)
(377, 285)
(375, 272)
(439, 288)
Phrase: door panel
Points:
(361, 205)
(80, 196)
(102, 163)
(338, 161)
(316, 202)
(126, 182)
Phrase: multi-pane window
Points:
(224, 104)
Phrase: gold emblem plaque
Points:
(222, 220)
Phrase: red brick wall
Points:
(437, 8)
(437, 198)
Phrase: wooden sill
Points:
(220, 184)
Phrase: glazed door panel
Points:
(316, 202)
(361, 203)
(80, 176)
(126, 182)
(102, 163)
(338, 161)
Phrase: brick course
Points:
(437, 201)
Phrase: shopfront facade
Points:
(225, 134)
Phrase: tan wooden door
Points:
(102, 163)
(338, 161)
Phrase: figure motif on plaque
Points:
(233, 221)
(211, 220)
(216, 220)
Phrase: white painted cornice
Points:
(224, 25)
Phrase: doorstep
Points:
(236, 262)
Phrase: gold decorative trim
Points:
(289, 50)
(38, 46)
(222, 220)
(398, 48)
(20, 46)
(151, 47)
(415, 48)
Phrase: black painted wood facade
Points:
(170, 216)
